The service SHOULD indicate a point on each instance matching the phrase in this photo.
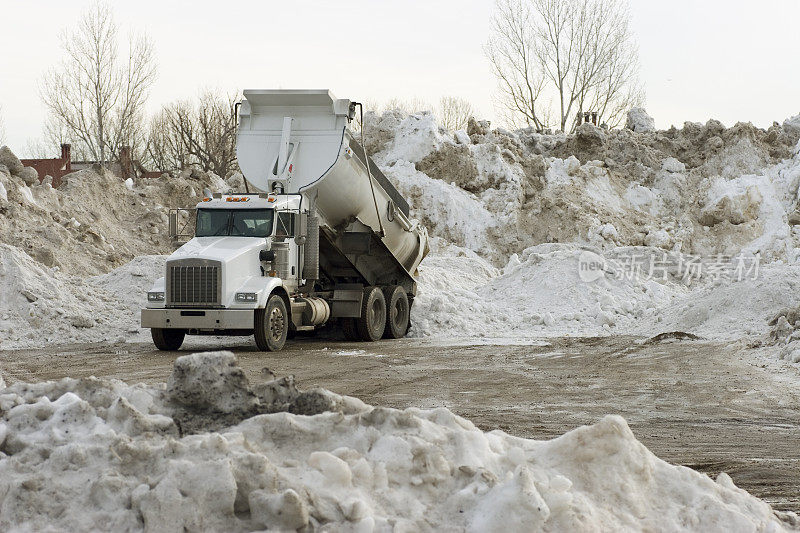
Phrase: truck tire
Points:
(372, 322)
(272, 325)
(167, 340)
(397, 312)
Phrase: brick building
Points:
(56, 167)
(125, 168)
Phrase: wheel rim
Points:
(398, 313)
(276, 323)
(375, 314)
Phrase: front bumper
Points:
(200, 319)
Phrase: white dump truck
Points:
(320, 235)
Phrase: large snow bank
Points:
(519, 207)
(542, 292)
(539, 292)
(94, 221)
(96, 454)
(498, 192)
(40, 306)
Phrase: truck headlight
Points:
(245, 297)
(155, 296)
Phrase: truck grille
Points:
(194, 283)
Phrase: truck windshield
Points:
(234, 222)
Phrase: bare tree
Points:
(512, 54)
(48, 145)
(202, 133)
(166, 149)
(95, 95)
(578, 53)
(54, 134)
(37, 148)
(453, 113)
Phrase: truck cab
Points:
(239, 257)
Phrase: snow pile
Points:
(730, 309)
(39, 306)
(540, 292)
(11, 165)
(498, 192)
(94, 221)
(703, 190)
(447, 210)
(197, 455)
(552, 290)
(792, 124)
(785, 333)
(639, 121)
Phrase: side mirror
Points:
(173, 224)
(266, 255)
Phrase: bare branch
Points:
(453, 113)
(201, 133)
(579, 53)
(94, 98)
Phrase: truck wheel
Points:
(397, 312)
(167, 340)
(372, 322)
(272, 325)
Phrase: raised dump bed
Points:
(299, 142)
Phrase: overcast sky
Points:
(731, 60)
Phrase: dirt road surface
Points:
(710, 406)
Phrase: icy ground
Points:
(210, 451)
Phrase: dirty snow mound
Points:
(538, 293)
(635, 291)
(704, 191)
(94, 221)
(785, 333)
(94, 454)
(499, 192)
(39, 306)
(729, 310)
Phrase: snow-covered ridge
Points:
(210, 451)
(513, 211)
(702, 189)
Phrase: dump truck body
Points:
(322, 230)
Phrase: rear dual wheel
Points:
(372, 322)
(398, 312)
(384, 313)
